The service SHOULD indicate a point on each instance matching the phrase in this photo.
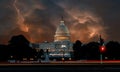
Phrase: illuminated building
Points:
(62, 33)
(61, 47)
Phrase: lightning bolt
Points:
(20, 19)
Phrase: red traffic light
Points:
(102, 49)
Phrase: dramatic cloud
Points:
(86, 25)
(37, 20)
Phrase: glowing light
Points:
(63, 46)
(93, 32)
(102, 49)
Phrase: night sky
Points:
(37, 19)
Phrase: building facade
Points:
(61, 47)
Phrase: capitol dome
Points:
(62, 33)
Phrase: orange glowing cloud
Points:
(22, 14)
(20, 19)
(86, 25)
(39, 22)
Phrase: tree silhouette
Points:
(113, 50)
(77, 48)
(19, 48)
(92, 51)
(40, 54)
(4, 53)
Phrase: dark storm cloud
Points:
(7, 20)
(41, 21)
(109, 10)
(7, 16)
(43, 16)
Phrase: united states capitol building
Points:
(61, 47)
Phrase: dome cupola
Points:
(62, 33)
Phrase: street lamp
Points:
(47, 55)
(11, 56)
(63, 55)
(63, 50)
(102, 50)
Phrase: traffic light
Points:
(102, 49)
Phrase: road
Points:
(60, 66)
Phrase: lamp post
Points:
(63, 55)
(102, 50)
(63, 49)
(46, 55)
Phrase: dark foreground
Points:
(95, 67)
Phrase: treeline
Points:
(18, 48)
(91, 51)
